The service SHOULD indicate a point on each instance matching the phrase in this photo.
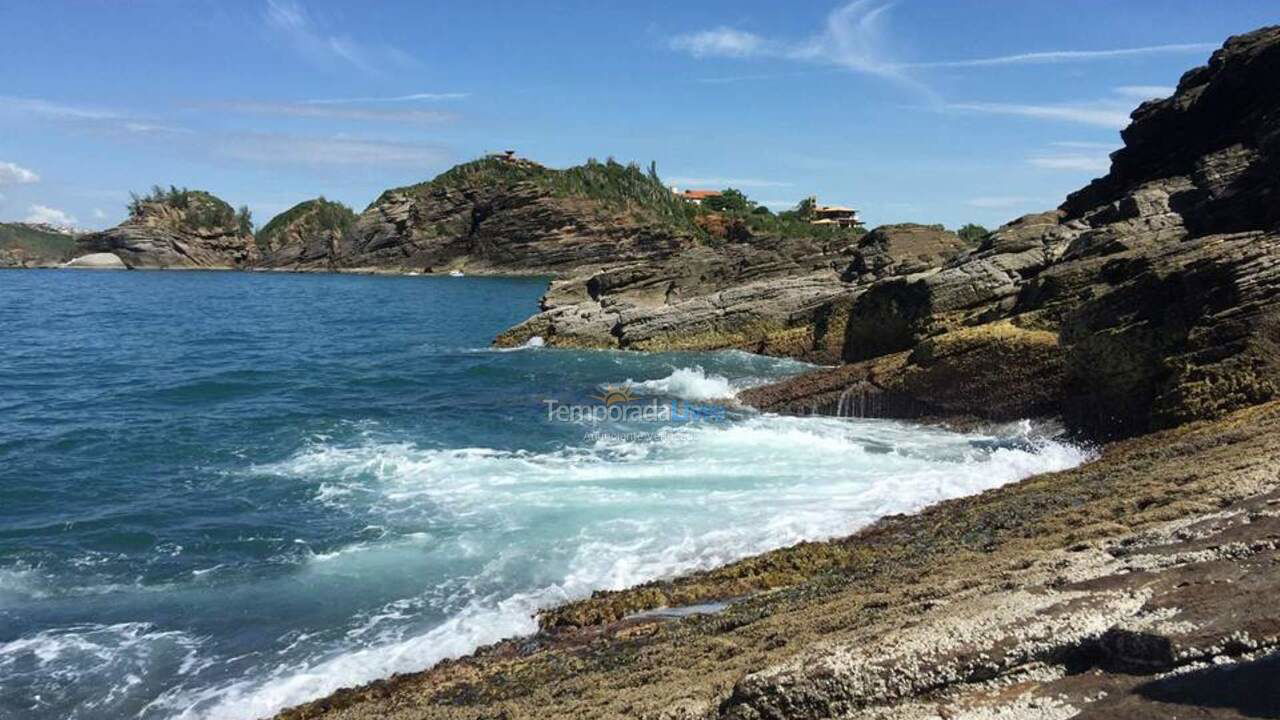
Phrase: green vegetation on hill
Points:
(622, 187)
(319, 215)
(628, 187)
(973, 234)
(34, 241)
(200, 209)
(742, 218)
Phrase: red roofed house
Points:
(696, 196)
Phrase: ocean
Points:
(222, 494)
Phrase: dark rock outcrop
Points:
(1161, 280)
(194, 229)
(892, 250)
(508, 215)
(307, 236)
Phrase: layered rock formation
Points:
(510, 215)
(306, 236)
(1159, 281)
(186, 229)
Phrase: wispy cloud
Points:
(853, 37)
(54, 110)
(14, 174)
(856, 37)
(720, 42)
(339, 112)
(1111, 112)
(727, 182)
(1086, 144)
(1071, 162)
(412, 97)
(49, 216)
(1001, 202)
(1068, 56)
(96, 118)
(307, 36)
(1108, 116)
(331, 151)
(1145, 92)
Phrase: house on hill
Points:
(834, 215)
(696, 196)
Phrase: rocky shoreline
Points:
(1143, 314)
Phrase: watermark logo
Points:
(615, 395)
(618, 403)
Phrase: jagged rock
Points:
(773, 295)
(194, 229)
(1186, 332)
(1216, 141)
(891, 250)
(1166, 311)
(306, 236)
(996, 372)
(516, 216)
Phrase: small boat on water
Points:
(455, 273)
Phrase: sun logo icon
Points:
(615, 395)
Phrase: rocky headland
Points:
(1143, 314)
(178, 229)
(33, 245)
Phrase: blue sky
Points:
(912, 110)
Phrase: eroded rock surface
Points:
(201, 232)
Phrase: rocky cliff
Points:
(1159, 283)
(502, 214)
(306, 236)
(177, 229)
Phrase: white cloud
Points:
(1069, 56)
(856, 36)
(727, 182)
(720, 42)
(1071, 162)
(98, 214)
(298, 28)
(1100, 115)
(317, 151)
(14, 174)
(393, 99)
(1145, 92)
(49, 216)
(312, 109)
(1000, 202)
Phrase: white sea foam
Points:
(691, 383)
(608, 516)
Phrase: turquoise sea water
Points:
(226, 493)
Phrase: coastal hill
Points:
(35, 245)
(1144, 314)
(306, 235)
(178, 228)
(507, 214)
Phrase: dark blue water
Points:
(224, 493)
